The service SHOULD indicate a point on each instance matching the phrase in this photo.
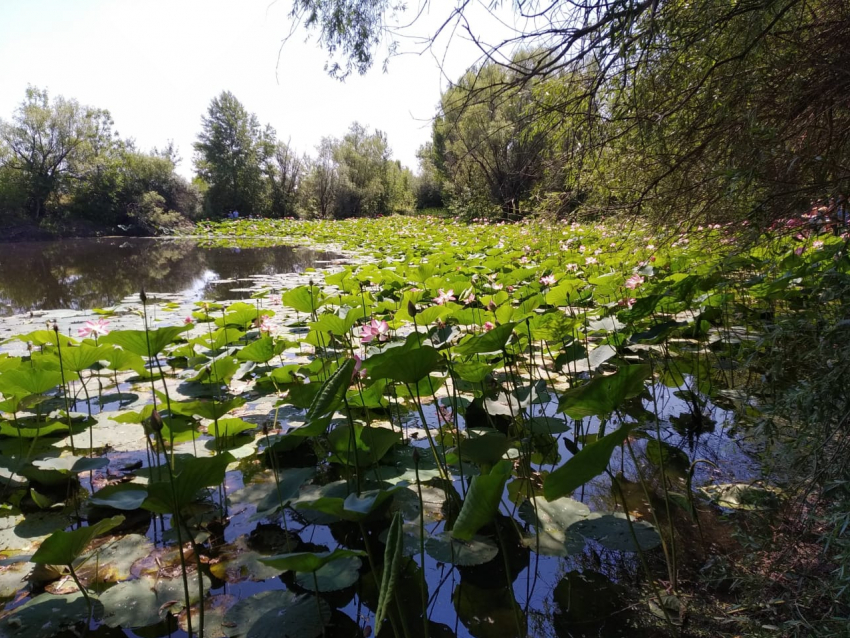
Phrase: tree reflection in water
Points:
(91, 273)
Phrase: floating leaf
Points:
(72, 464)
(552, 520)
(336, 575)
(672, 458)
(47, 616)
(276, 614)
(308, 562)
(448, 549)
(613, 532)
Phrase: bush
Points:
(149, 213)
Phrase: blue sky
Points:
(155, 65)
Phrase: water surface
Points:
(94, 273)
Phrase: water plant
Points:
(449, 415)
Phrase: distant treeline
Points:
(677, 111)
(62, 161)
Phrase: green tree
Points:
(230, 155)
(321, 185)
(494, 139)
(285, 172)
(363, 160)
(714, 110)
(52, 145)
(428, 184)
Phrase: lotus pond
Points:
(465, 430)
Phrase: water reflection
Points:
(91, 273)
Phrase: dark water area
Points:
(93, 273)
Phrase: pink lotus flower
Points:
(571, 267)
(375, 329)
(444, 296)
(548, 280)
(189, 321)
(96, 328)
(470, 298)
(488, 326)
(590, 261)
(628, 303)
(634, 281)
(358, 368)
(817, 244)
(264, 323)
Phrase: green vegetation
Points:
(61, 161)
(601, 391)
(454, 435)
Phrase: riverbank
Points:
(22, 231)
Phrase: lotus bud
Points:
(416, 456)
(491, 306)
(156, 421)
(411, 309)
(310, 281)
(143, 296)
(55, 327)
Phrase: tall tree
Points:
(729, 110)
(285, 173)
(51, 143)
(494, 139)
(322, 182)
(363, 159)
(229, 156)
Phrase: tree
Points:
(363, 163)
(321, 185)
(495, 138)
(285, 174)
(356, 177)
(428, 189)
(51, 144)
(229, 156)
(718, 110)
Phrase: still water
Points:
(94, 273)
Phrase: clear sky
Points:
(155, 65)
